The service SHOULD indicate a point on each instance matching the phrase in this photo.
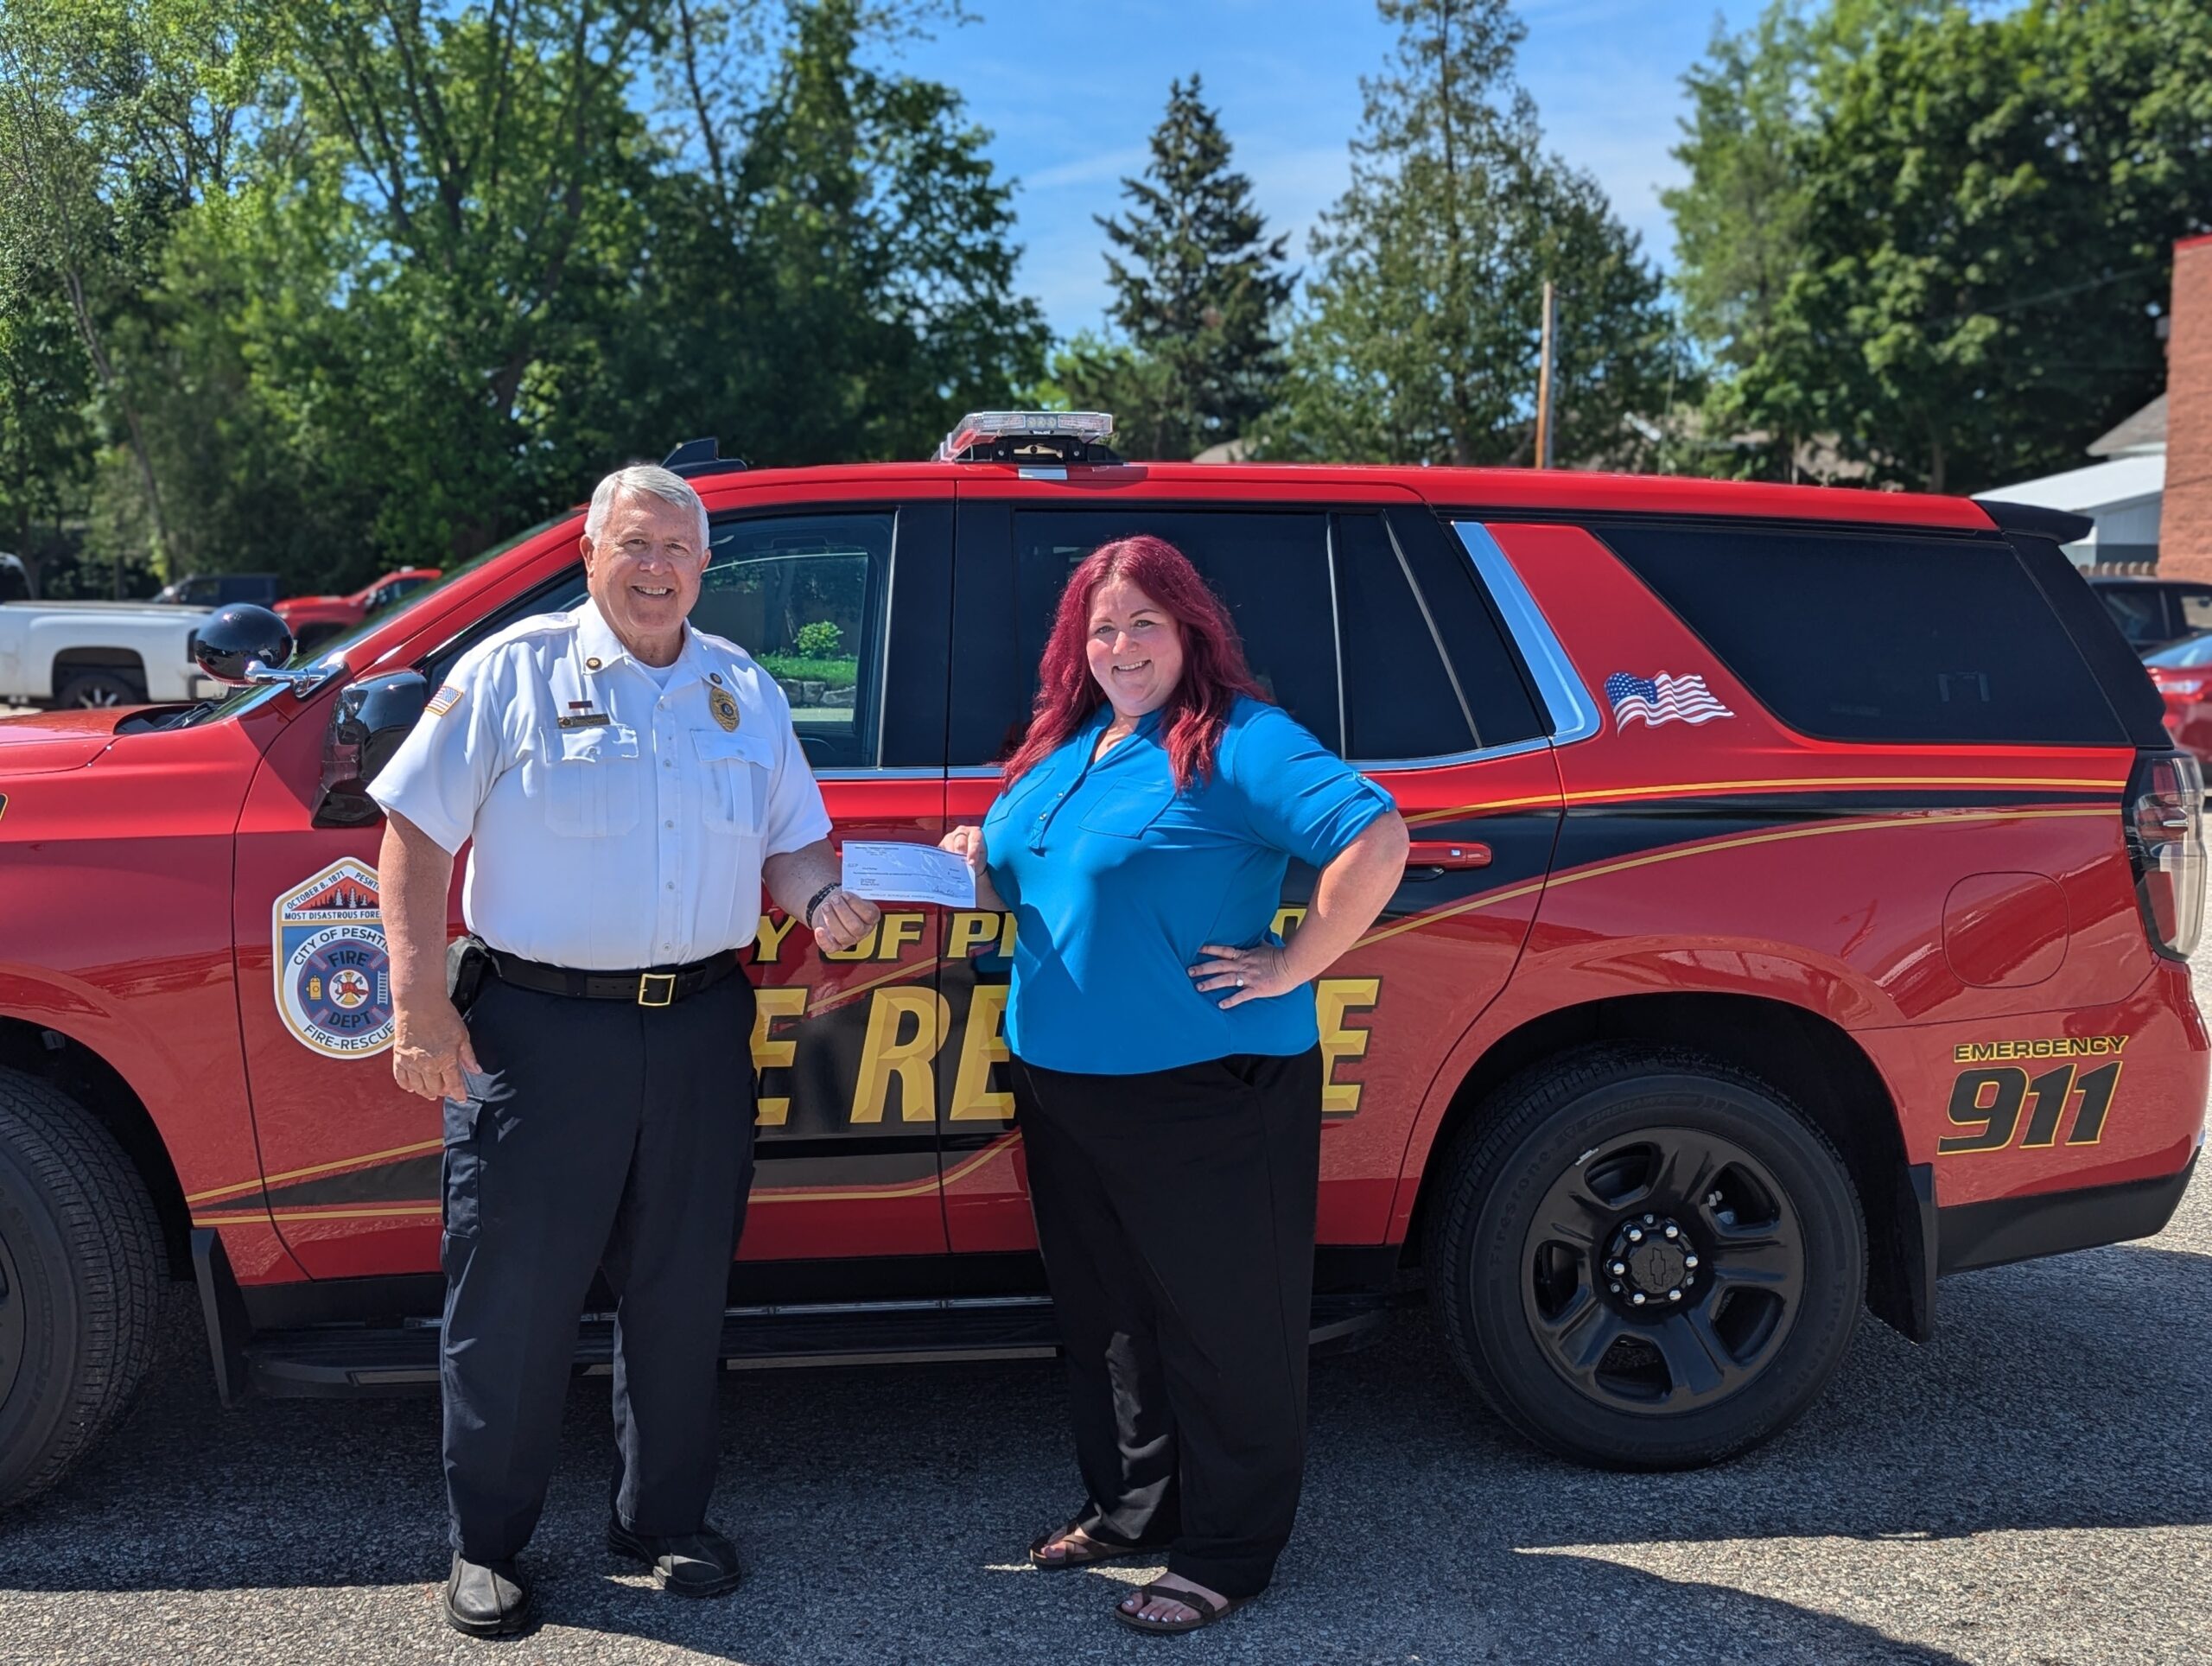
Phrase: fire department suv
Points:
(1797, 912)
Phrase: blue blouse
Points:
(1117, 880)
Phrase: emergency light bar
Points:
(1022, 437)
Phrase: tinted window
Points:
(1485, 668)
(803, 595)
(1874, 637)
(2194, 608)
(2136, 609)
(1271, 570)
(1400, 701)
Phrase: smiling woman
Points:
(1166, 1061)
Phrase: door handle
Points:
(1446, 852)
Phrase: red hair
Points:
(1214, 672)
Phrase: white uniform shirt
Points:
(618, 825)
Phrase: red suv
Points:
(1797, 912)
(316, 619)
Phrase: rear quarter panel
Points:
(1738, 856)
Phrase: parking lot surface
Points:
(2032, 1487)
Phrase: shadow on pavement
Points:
(883, 1513)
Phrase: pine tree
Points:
(1419, 339)
(1197, 285)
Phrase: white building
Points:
(2122, 495)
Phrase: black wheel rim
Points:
(11, 1323)
(1701, 1230)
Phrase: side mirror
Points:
(241, 644)
(368, 720)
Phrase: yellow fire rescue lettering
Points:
(2060, 1047)
(1334, 998)
(1288, 920)
(982, 1046)
(896, 933)
(773, 1051)
(887, 1052)
(970, 930)
(768, 941)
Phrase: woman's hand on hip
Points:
(1255, 974)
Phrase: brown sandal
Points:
(1093, 1550)
(1207, 1610)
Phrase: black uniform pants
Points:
(1175, 1211)
(611, 1135)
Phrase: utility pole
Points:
(1544, 385)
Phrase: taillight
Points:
(2165, 843)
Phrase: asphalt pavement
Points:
(2032, 1487)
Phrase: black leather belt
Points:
(664, 987)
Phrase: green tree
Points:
(841, 271)
(117, 116)
(1418, 338)
(1980, 211)
(1197, 285)
(45, 436)
(365, 283)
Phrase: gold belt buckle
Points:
(646, 992)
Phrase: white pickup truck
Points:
(98, 653)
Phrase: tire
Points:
(80, 1278)
(1749, 1303)
(99, 689)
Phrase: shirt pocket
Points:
(733, 781)
(1126, 811)
(592, 781)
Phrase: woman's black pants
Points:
(1175, 1211)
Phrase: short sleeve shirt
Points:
(616, 823)
(1117, 879)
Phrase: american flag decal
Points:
(1661, 699)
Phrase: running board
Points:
(341, 1359)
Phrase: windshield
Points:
(327, 654)
(2197, 651)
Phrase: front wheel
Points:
(1645, 1258)
(80, 1277)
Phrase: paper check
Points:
(909, 873)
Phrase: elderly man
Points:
(629, 782)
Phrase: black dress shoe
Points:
(487, 1600)
(701, 1564)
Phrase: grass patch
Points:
(838, 673)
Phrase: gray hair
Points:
(648, 479)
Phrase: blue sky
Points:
(1071, 91)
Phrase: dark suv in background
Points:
(2153, 612)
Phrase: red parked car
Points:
(316, 619)
(1739, 979)
(2183, 675)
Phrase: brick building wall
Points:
(2185, 523)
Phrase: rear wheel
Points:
(97, 689)
(80, 1275)
(1645, 1258)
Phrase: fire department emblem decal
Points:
(334, 973)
